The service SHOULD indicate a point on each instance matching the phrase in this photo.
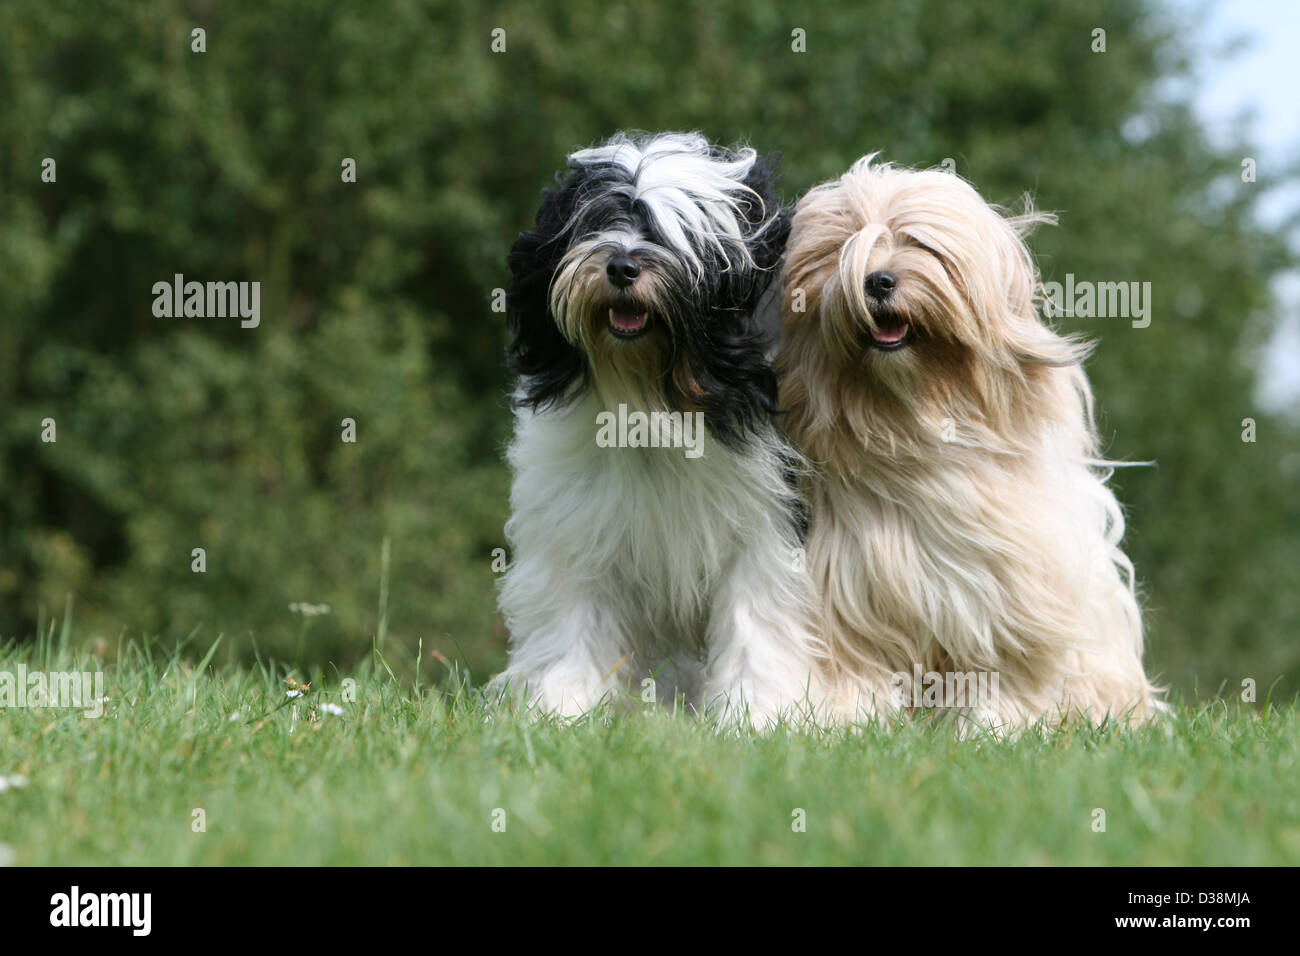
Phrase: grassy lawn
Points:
(417, 775)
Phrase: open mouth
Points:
(890, 333)
(628, 325)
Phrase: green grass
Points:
(413, 775)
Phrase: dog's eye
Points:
(925, 248)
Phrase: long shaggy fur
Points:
(959, 520)
(638, 563)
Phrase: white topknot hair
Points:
(690, 189)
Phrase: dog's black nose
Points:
(622, 270)
(881, 284)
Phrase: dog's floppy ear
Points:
(1030, 340)
(768, 246)
(737, 386)
(769, 219)
(538, 351)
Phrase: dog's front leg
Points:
(762, 656)
(566, 665)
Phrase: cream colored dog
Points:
(960, 524)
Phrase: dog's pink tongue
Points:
(890, 332)
(626, 321)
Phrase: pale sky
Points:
(1263, 79)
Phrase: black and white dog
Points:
(653, 528)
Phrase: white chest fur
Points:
(636, 563)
